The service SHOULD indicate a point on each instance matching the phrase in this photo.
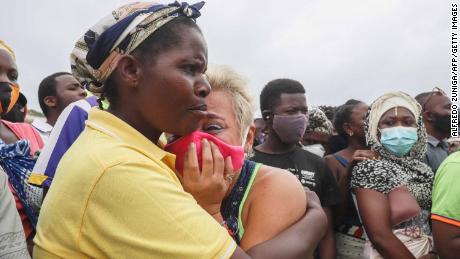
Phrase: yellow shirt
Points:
(114, 195)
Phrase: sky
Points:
(337, 49)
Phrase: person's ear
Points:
(250, 137)
(267, 115)
(129, 70)
(348, 129)
(428, 116)
(50, 101)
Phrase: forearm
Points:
(303, 238)
(327, 248)
(374, 208)
(450, 249)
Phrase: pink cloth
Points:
(26, 131)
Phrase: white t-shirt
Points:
(43, 128)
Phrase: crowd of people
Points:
(147, 152)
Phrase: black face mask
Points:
(442, 123)
(9, 94)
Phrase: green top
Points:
(246, 193)
(446, 191)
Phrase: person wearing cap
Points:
(318, 132)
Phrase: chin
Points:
(184, 129)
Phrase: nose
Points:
(4, 78)
(202, 87)
(82, 92)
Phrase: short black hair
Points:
(165, 38)
(353, 102)
(271, 94)
(422, 97)
(343, 115)
(46, 88)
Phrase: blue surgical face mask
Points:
(398, 140)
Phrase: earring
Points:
(248, 154)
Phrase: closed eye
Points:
(193, 69)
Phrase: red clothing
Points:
(25, 131)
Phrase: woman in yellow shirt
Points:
(115, 193)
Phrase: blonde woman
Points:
(261, 201)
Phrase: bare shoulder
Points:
(330, 159)
(276, 201)
(277, 180)
(336, 169)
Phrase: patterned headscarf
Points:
(97, 53)
(409, 169)
(8, 49)
(318, 121)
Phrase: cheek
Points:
(67, 95)
(445, 111)
(229, 137)
(75, 96)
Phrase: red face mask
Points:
(179, 148)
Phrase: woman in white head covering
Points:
(393, 193)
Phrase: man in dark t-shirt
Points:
(284, 109)
(309, 168)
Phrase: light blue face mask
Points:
(398, 140)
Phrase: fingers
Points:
(360, 155)
(229, 172)
(218, 160)
(206, 158)
(191, 167)
(375, 155)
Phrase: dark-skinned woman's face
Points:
(8, 78)
(172, 88)
(398, 116)
(358, 117)
(398, 131)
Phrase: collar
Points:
(119, 130)
(435, 142)
(42, 126)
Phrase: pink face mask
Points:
(179, 148)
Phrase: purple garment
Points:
(69, 126)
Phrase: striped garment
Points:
(68, 127)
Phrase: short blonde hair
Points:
(224, 78)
